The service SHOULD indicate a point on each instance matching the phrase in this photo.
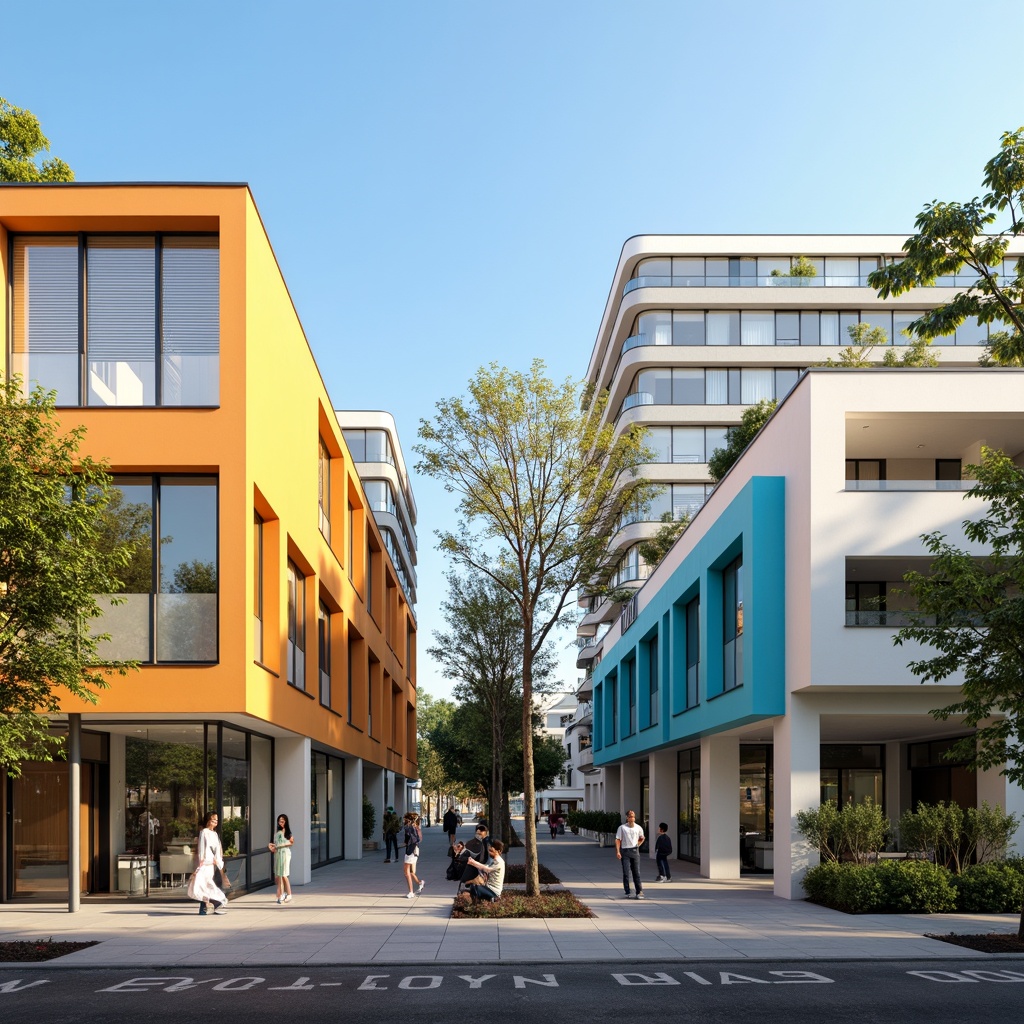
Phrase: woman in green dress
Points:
(281, 848)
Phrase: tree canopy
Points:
(541, 482)
(752, 420)
(974, 234)
(864, 339)
(52, 563)
(21, 140)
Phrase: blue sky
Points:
(485, 161)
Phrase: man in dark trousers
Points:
(450, 823)
(477, 849)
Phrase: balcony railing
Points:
(820, 281)
(893, 619)
(910, 485)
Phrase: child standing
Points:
(662, 852)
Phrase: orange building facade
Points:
(276, 641)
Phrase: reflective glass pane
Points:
(659, 440)
(723, 328)
(758, 328)
(655, 328)
(688, 444)
(687, 328)
(687, 387)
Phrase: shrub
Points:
(859, 829)
(990, 888)
(896, 886)
(915, 887)
(595, 821)
(953, 836)
(369, 818)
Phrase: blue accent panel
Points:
(753, 525)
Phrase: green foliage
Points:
(990, 888)
(654, 549)
(228, 828)
(595, 821)
(21, 139)
(891, 886)
(951, 236)
(752, 420)
(971, 612)
(857, 830)
(541, 480)
(953, 835)
(864, 339)
(50, 569)
(369, 818)
(560, 903)
(801, 267)
(195, 577)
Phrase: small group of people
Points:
(628, 840)
(482, 866)
(209, 879)
(556, 823)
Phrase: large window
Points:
(167, 610)
(118, 320)
(324, 637)
(710, 386)
(324, 491)
(681, 445)
(369, 446)
(257, 586)
(653, 677)
(296, 627)
(732, 633)
(692, 651)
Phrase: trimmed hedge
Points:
(917, 887)
(595, 821)
(891, 887)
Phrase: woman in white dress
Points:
(209, 856)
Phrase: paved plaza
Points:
(355, 912)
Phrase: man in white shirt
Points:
(628, 840)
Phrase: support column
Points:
(664, 795)
(75, 813)
(994, 789)
(354, 808)
(292, 768)
(720, 807)
(797, 788)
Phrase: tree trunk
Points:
(1020, 927)
(529, 822)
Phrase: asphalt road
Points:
(911, 991)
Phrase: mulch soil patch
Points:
(993, 942)
(515, 903)
(41, 949)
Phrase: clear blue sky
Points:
(486, 160)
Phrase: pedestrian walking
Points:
(450, 823)
(662, 852)
(281, 848)
(628, 840)
(553, 823)
(412, 835)
(391, 825)
(209, 856)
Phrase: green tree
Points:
(21, 139)
(951, 236)
(971, 612)
(801, 267)
(195, 577)
(752, 420)
(541, 480)
(52, 502)
(864, 339)
(482, 652)
(657, 546)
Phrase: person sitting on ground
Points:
(493, 872)
(476, 848)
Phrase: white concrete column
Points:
(398, 800)
(354, 808)
(292, 761)
(797, 787)
(1015, 805)
(720, 807)
(664, 795)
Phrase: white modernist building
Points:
(754, 674)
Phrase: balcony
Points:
(910, 485)
(821, 281)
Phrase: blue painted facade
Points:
(637, 710)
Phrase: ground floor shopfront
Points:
(730, 799)
(142, 789)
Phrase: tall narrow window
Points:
(122, 324)
(732, 633)
(296, 627)
(257, 586)
(692, 651)
(630, 670)
(653, 674)
(325, 491)
(351, 529)
(46, 317)
(324, 636)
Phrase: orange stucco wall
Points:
(263, 443)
